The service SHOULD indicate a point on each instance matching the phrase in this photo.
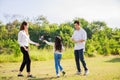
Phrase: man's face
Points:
(76, 26)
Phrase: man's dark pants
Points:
(79, 56)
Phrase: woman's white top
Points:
(23, 39)
(53, 44)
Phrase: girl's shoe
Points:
(58, 75)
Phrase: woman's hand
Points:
(26, 49)
(37, 44)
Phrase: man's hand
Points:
(79, 41)
(74, 41)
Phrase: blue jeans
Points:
(79, 56)
(57, 58)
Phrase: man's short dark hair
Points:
(77, 22)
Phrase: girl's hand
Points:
(44, 40)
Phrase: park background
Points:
(99, 18)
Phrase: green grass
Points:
(101, 68)
(36, 55)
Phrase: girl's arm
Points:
(63, 48)
(49, 43)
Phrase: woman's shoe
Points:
(30, 76)
(20, 75)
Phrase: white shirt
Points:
(79, 35)
(53, 44)
(23, 39)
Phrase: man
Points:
(79, 37)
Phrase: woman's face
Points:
(26, 27)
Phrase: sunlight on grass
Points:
(101, 68)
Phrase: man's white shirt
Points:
(79, 35)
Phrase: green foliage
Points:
(9, 47)
(101, 39)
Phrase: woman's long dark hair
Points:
(22, 27)
(58, 44)
(24, 23)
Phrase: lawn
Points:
(100, 67)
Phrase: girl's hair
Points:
(22, 27)
(58, 43)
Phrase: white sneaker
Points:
(78, 73)
(58, 75)
(86, 72)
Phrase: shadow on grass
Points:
(114, 60)
(6, 78)
(25, 78)
(46, 78)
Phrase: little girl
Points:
(58, 48)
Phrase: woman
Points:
(24, 40)
(58, 48)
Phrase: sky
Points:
(58, 11)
